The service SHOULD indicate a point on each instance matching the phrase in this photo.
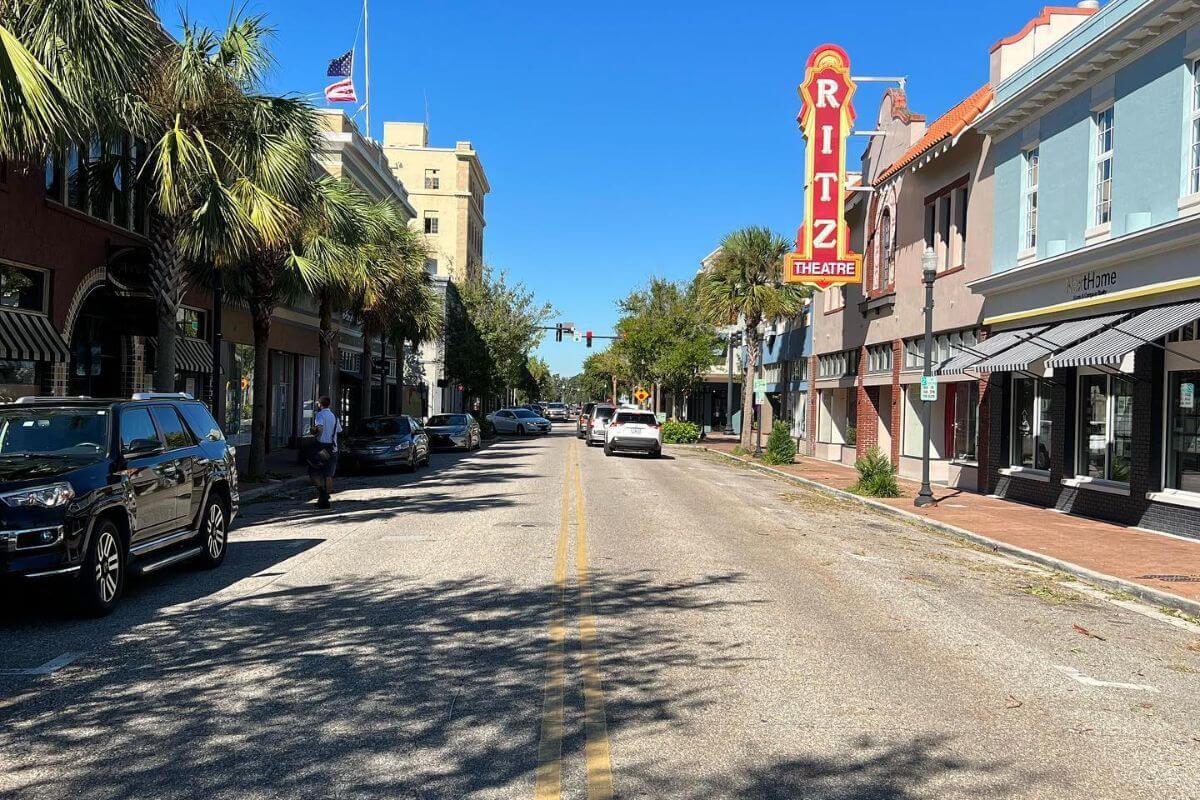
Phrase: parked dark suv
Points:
(93, 490)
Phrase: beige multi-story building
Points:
(447, 186)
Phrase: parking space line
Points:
(1088, 680)
(49, 668)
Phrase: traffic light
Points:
(588, 337)
(558, 332)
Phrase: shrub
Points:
(486, 429)
(781, 448)
(851, 435)
(876, 475)
(676, 431)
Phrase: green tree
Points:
(744, 286)
(602, 372)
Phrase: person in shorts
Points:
(322, 461)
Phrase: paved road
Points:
(537, 616)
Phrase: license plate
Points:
(637, 428)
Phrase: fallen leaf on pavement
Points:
(1086, 632)
(1194, 647)
(1012, 702)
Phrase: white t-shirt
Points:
(328, 427)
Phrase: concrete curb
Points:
(1148, 594)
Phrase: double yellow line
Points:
(548, 778)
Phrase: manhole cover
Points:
(1172, 578)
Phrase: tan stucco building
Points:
(447, 186)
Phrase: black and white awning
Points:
(989, 347)
(1112, 345)
(193, 355)
(1046, 343)
(30, 337)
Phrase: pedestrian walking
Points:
(322, 459)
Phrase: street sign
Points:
(760, 391)
(929, 388)
(1187, 395)
(823, 257)
(579, 336)
(640, 395)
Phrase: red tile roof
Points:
(947, 126)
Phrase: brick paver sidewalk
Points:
(1165, 563)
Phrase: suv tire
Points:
(102, 576)
(214, 532)
(520, 430)
(608, 451)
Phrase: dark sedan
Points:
(453, 432)
(385, 441)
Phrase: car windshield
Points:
(447, 420)
(605, 413)
(54, 431)
(556, 405)
(637, 418)
(384, 426)
(524, 413)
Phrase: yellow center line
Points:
(548, 778)
(596, 747)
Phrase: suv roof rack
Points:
(162, 396)
(30, 399)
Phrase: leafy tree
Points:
(744, 285)
(602, 372)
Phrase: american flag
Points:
(341, 92)
(342, 66)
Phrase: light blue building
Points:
(1093, 357)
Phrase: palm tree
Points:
(744, 284)
(67, 68)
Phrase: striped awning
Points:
(30, 337)
(1046, 343)
(1115, 343)
(193, 355)
(987, 348)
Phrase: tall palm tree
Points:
(745, 284)
(67, 68)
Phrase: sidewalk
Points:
(1140, 559)
(284, 470)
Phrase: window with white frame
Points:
(1194, 156)
(1102, 123)
(1029, 199)
(1030, 424)
(837, 365)
(879, 358)
(966, 420)
(1105, 427)
(432, 181)
(431, 222)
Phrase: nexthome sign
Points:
(823, 257)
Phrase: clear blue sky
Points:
(623, 139)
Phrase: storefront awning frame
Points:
(989, 347)
(1052, 339)
(1145, 327)
(28, 336)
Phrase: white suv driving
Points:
(634, 430)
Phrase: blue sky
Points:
(623, 139)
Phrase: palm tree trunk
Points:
(260, 314)
(752, 346)
(365, 370)
(167, 281)
(327, 339)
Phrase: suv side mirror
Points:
(141, 447)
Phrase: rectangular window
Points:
(1183, 431)
(190, 322)
(943, 226)
(966, 420)
(1194, 160)
(1029, 199)
(1030, 424)
(960, 225)
(1102, 203)
(431, 265)
(1105, 427)
(432, 181)
(22, 288)
(76, 178)
(431, 222)
(930, 217)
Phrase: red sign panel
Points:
(823, 256)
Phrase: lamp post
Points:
(758, 451)
(929, 273)
(729, 388)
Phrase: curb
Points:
(1145, 593)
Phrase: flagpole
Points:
(367, 64)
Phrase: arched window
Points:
(887, 249)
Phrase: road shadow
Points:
(368, 688)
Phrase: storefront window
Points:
(22, 288)
(1031, 425)
(1183, 452)
(1105, 427)
(239, 392)
(966, 420)
(17, 379)
(800, 414)
(190, 322)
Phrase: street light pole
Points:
(758, 451)
(729, 389)
(929, 273)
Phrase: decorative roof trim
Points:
(1041, 20)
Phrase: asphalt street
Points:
(538, 620)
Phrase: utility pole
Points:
(929, 273)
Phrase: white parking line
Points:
(1088, 680)
(50, 667)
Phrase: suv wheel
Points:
(608, 451)
(520, 430)
(102, 577)
(214, 533)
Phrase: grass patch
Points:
(1120, 595)
(1177, 614)
(1052, 593)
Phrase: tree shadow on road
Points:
(386, 687)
